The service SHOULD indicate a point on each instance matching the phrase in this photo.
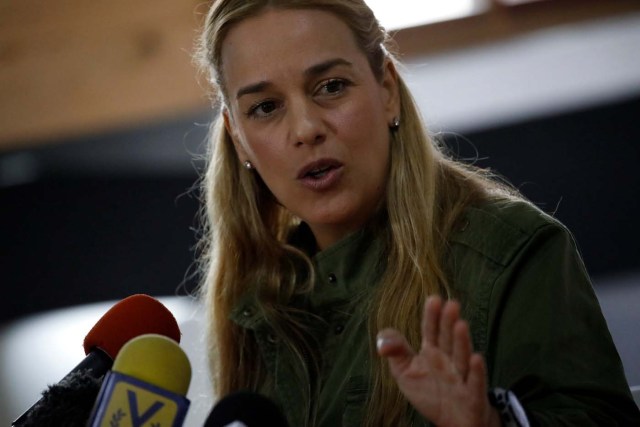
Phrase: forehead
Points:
(281, 41)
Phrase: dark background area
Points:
(95, 220)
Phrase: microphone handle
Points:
(96, 364)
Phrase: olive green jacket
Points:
(531, 309)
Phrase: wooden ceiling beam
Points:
(502, 21)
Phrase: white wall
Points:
(538, 74)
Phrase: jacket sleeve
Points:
(547, 340)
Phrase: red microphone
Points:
(133, 316)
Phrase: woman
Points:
(333, 216)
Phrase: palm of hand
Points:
(444, 381)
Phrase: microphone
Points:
(67, 403)
(147, 385)
(135, 315)
(245, 409)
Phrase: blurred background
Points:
(103, 121)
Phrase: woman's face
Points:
(304, 107)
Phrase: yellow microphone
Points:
(146, 386)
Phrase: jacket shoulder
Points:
(497, 230)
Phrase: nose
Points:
(306, 124)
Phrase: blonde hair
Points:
(246, 230)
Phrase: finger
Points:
(394, 346)
(477, 382)
(462, 348)
(450, 314)
(431, 320)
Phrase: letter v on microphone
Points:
(136, 403)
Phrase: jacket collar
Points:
(344, 272)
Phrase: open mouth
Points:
(318, 173)
(322, 174)
(318, 169)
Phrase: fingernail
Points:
(381, 341)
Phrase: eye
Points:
(262, 109)
(332, 87)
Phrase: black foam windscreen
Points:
(67, 403)
(250, 409)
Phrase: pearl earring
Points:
(395, 124)
(247, 165)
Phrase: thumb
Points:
(394, 346)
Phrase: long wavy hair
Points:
(245, 232)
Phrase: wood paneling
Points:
(503, 21)
(73, 67)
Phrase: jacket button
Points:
(247, 312)
(338, 329)
(332, 278)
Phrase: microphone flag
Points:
(146, 387)
(135, 403)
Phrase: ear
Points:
(228, 125)
(391, 94)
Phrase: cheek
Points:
(262, 146)
(271, 163)
(355, 112)
(364, 126)
(366, 109)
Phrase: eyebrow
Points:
(252, 88)
(312, 71)
(322, 67)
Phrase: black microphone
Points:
(245, 409)
(67, 403)
(133, 316)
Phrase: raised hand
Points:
(445, 381)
